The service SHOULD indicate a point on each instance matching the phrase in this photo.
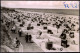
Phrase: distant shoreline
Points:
(58, 11)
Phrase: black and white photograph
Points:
(39, 26)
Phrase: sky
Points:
(41, 4)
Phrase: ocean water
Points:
(58, 11)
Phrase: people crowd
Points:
(7, 40)
(70, 25)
